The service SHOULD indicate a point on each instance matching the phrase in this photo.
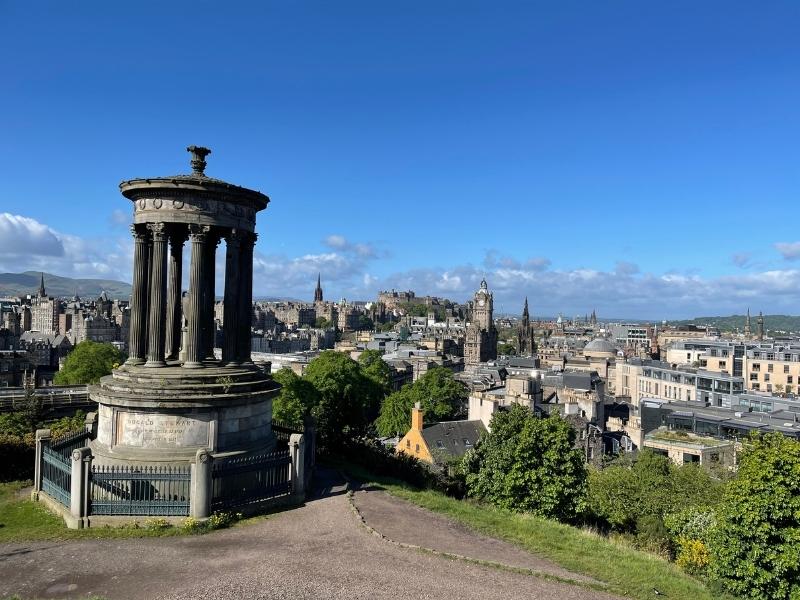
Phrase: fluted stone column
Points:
(209, 296)
(199, 236)
(230, 321)
(158, 296)
(137, 339)
(174, 309)
(246, 296)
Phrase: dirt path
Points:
(319, 550)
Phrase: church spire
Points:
(41, 287)
(525, 313)
(747, 327)
(318, 291)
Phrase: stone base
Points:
(164, 415)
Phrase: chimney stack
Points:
(416, 417)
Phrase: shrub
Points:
(18, 455)
(693, 555)
(222, 520)
(755, 546)
(528, 464)
(192, 525)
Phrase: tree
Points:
(651, 486)
(88, 362)
(439, 394)
(296, 399)
(374, 367)
(755, 547)
(347, 398)
(365, 323)
(528, 464)
(322, 323)
(506, 349)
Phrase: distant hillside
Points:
(732, 323)
(21, 284)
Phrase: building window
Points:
(789, 379)
(408, 443)
(753, 376)
(722, 364)
(766, 376)
(769, 367)
(756, 367)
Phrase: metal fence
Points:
(70, 441)
(244, 480)
(283, 431)
(150, 491)
(56, 475)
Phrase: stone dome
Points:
(599, 347)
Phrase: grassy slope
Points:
(627, 571)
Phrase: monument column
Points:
(199, 236)
(246, 295)
(158, 293)
(137, 344)
(177, 238)
(230, 321)
(210, 295)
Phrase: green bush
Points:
(528, 464)
(755, 546)
(18, 454)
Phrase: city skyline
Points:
(638, 160)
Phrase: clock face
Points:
(481, 302)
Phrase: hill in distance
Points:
(772, 323)
(22, 284)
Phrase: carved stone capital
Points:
(139, 234)
(199, 233)
(234, 238)
(159, 231)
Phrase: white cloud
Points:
(789, 250)
(26, 244)
(22, 236)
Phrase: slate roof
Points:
(453, 438)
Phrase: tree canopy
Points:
(439, 394)
(296, 399)
(649, 486)
(528, 464)
(88, 362)
(756, 543)
(348, 399)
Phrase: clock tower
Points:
(481, 340)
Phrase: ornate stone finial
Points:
(198, 158)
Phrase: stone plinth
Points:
(168, 414)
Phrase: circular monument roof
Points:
(599, 346)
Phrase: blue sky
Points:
(638, 158)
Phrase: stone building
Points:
(481, 337)
(44, 311)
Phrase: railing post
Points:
(200, 498)
(79, 486)
(42, 439)
(91, 424)
(297, 454)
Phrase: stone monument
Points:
(172, 398)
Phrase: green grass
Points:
(626, 571)
(22, 520)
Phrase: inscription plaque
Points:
(142, 430)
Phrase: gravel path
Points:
(319, 550)
(408, 523)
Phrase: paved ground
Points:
(316, 551)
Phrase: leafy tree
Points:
(439, 394)
(348, 399)
(296, 399)
(506, 349)
(755, 546)
(365, 323)
(322, 323)
(388, 326)
(624, 493)
(528, 464)
(88, 362)
(374, 367)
